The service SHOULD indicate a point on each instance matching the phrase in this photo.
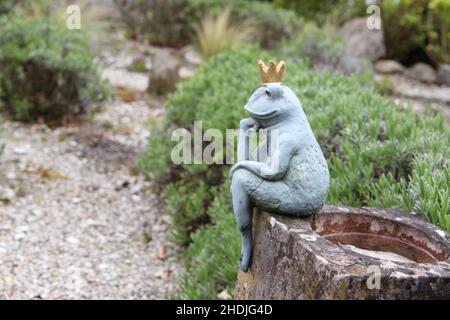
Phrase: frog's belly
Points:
(302, 191)
(308, 175)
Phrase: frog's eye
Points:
(267, 92)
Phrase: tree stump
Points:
(347, 253)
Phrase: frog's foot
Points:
(246, 250)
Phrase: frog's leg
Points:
(278, 197)
(242, 185)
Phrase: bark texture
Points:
(321, 257)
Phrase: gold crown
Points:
(272, 74)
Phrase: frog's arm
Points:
(278, 166)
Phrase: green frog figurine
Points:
(294, 179)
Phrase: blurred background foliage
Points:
(48, 72)
(322, 11)
(172, 22)
(378, 155)
(417, 30)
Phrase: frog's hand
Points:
(278, 165)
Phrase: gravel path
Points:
(421, 97)
(76, 220)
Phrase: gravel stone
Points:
(68, 233)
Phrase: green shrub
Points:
(93, 17)
(172, 22)
(271, 25)
(162, 22)
(324, 48)
(335, 11)
(439, 45)
(37, 8)
(418, 30)
(179, 199)
(46, 71)
(7, 5)
(313, 9)
(214, 253)
(407, 30)
(378, 155)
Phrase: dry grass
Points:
(126, 94)
(50, 174)
(218, 33)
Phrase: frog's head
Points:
(273, 104)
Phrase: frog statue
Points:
(293, 180)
